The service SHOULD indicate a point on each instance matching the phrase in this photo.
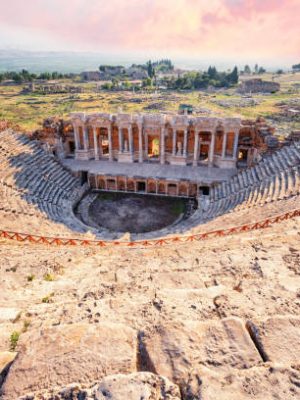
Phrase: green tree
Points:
(212, 72)
(247, 69)
(296, 67)
(150, 69)
(261, 70)
(233, 77)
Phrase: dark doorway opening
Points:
(84, 177)
(204, 190)
(72, 147)
(141, 186)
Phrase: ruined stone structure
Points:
(258, 86)
(179, 155)
(152, 153)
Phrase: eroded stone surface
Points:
(266, 382)
(180, 351)
(279, 338)
(6, 359)
(80, 353)
(142, 385)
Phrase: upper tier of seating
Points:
(34, 184)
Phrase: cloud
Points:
(217, 27)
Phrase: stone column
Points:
(196, 149)
(224, 144)
(235, 144)
(146, 145)
(212, 149)
(120, 140)
(141, 144)
(174, 141)
(76, 137)
(111, 157)
(95, 143)
(100, 144)
(130, 140)
(85, 138)
(185, 141)
(162, 145)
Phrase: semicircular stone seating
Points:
(37, 192)
(269, 188)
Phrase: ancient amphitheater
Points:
(206, 307)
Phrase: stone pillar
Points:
(146, 145)
(235, 144)
(76, 137)
(120, 140)
(185, 141)
(111, 157)
(130, 140)
(224, 144)
(162, 145)
(95, 143)
(174, 141)
(141, 157)
(100, 145)
(196, 149)
(85, 138)
(212, 149)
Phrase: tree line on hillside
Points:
(257, 70)
(202, 80)
(25, 76)
(296, 67)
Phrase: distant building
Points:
(91, 75)
(258, 86)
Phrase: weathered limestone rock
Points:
(278, 339)
(9, 314)
(266, 382)
(82, 353)
(6, 359)
(141, 385)
(179, 351)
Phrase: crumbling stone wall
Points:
(258, 86)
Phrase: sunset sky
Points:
(246, 29)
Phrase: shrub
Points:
(49, 277)
(14, 337)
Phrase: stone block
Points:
(137, 386)
(278, 339)
(180, 351)
(83, 353)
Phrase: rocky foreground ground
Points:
(211, 320)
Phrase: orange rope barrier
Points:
(56, 241)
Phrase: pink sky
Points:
(202, 28)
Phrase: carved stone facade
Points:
(165, 139)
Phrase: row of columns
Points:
(136, 182)
(181, 152)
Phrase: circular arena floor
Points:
(123, 212)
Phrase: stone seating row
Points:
(33, 183)
(274, 178)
